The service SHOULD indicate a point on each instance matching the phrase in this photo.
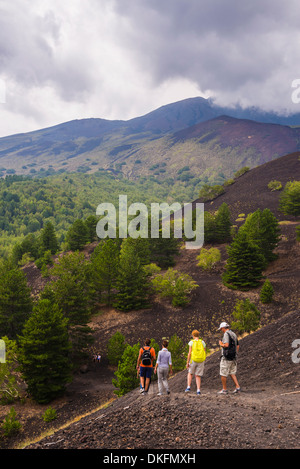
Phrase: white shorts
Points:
(196, 368)
(227, 367)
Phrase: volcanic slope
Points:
(266, 414)
(250, 191)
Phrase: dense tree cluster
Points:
(251, 250)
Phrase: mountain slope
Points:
(213, 150)
(178, 135)
(250, 191)
(264, 415)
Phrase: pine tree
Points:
(104, 269)
(132, 282)
(77, 236)
(267, 291)
(289, 202)
(115, 348)
(91, 223)
(244, 265)
(126, 375)
(223, 224)
(48, 239)
(164, 250)
(44, 352)
(15, 300)
(71, 290)
(262, 229)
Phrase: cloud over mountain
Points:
(119, 59)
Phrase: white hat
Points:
(223, 324)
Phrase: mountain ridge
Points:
(131, 148)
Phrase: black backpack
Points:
(230, 352)
(146, 357)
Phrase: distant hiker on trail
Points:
(228, 364)
(145, 363)
(98, 358)
(195, 361)
(164, 361)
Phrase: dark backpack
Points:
(146, 357)
(230, 352)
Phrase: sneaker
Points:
(224, 391)
(237, 390)
(159, 394)
(198, 393)
(187, 389)
(168, 392)
(142, 390)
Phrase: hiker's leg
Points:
(142, 377)
(189, 379)
(224, 382)
(234, 379)
(147, 384)
(165, 378)
(159, 376)
(198, 382)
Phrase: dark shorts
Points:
(146, 371)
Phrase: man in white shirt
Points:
(228, 364)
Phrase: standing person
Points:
(164, 361)
(195, 361)
(145, 363)
(228, 365)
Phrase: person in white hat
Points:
(228, 363)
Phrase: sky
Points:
(119, 59)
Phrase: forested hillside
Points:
(27, 204)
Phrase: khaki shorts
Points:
(196, 368)
(227, 367)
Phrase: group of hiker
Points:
(195, 362)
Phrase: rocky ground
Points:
(266, 413)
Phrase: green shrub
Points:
(266, 293)
(11, 426)
(115, 348)
(275, 185)
(241, 171)
(49, 415)
(175, 286)
(178, 353)
(208, 192)
(246, 315)
(208, 258)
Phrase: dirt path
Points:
(253, 419)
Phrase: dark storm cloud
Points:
(224, 46)
(28, 45)
(119, 59)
